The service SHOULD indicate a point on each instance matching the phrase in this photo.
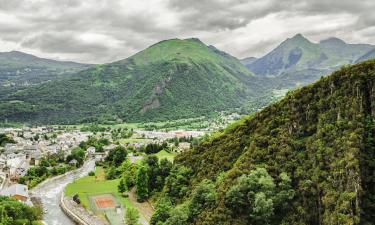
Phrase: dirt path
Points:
(145, 209)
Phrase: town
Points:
(23, 150)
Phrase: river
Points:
(50, 193)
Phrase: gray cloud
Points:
(107, 30)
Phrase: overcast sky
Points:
(99, 31)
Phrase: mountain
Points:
(249, 60)
(171, 79)
(18, 69)
(298, 61)
(307, 159)
(369, 55)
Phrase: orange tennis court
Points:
(104, 202)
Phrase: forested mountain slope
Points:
(317, 145)
(171, 79)
(18, 69)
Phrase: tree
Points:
(12, 211)
(142, 182)
(131, 216)
(176, 184)
(122, 186)
(129, 173)
(162, 212)
(77, 154)
(204, 196)
(257, 195)
(117, 155)
(179, 215)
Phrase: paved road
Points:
(50, 193)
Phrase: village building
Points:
(17, 191)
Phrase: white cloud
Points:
(107, 30)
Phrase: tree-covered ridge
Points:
(171, 79)
(321, 137)
(19, 70)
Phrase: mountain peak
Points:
(296, 39)
(333, 41)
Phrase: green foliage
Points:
(317, 150)
(142, 183)
(156, 173)
(177, 183)
(116, 156)
(179, 215)
(203, 196)
(257, 196)
(13, 212)
(51, 165)
(131, 216)
(77, 154)
(4, 139)
(129, 174)
(163, 211)
(153, 148)
(94, 142)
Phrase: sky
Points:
(102, 31)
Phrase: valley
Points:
(184, 133)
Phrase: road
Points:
(50, 193)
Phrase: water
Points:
(50, 193)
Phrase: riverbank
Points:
(50, 191)
(91, 187)
(78, 213)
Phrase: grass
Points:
(165, 155)
(94, 185)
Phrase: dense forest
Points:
(308, 159)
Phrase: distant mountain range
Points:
(298, 61)
(18, 70)
(169, 80)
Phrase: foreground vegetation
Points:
(13, 212)
(308, 159)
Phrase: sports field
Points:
(99, 195)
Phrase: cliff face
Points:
(322, 136)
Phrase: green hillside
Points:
(171, 79)
(308, 159)
(19, 70)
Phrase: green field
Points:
(93, 185)
(165, 155)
